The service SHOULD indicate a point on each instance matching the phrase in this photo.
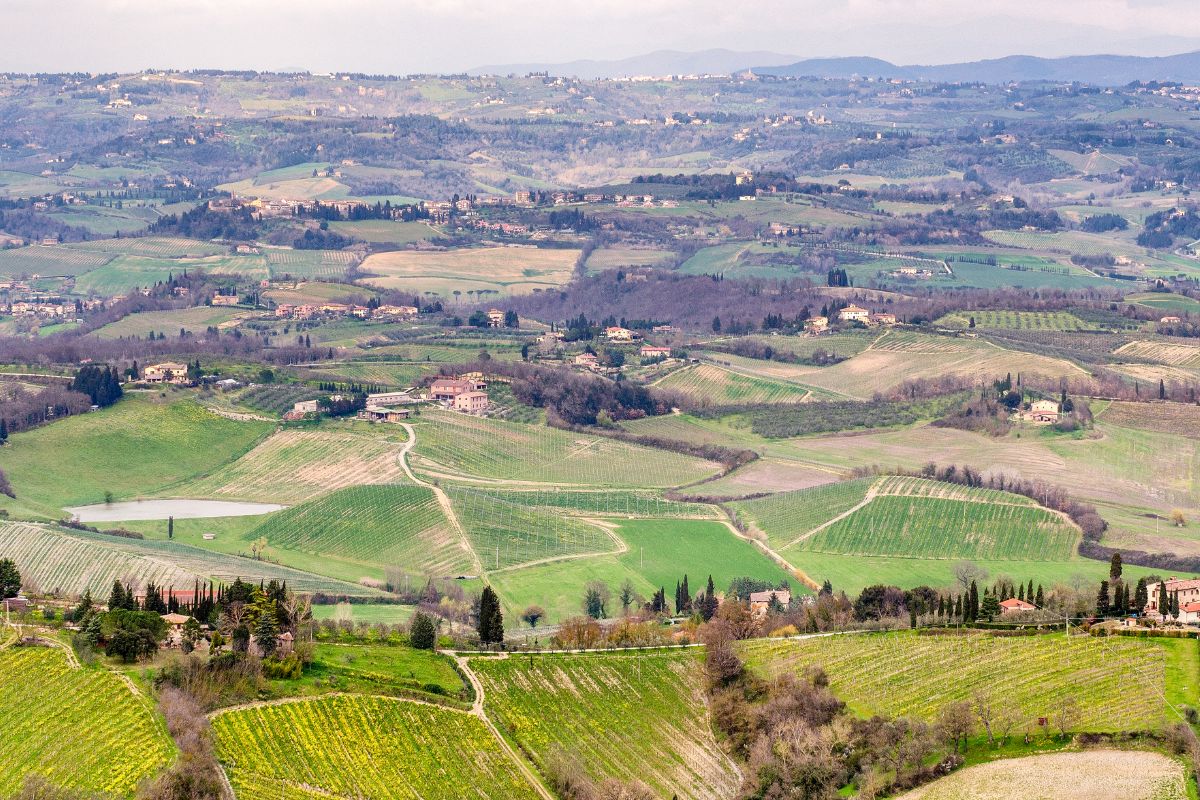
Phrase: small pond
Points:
(179, 508)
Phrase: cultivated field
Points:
(126, 273)
(1088, 775)
(309, 263)
(1175, 354)
(401, 751)
(385, 231)
(140, 445)
(379, 526)
(710, 384)
(1168, 418)
(79, 727)
(1016, 320)
(510, 270)
(195, 320)
(294, 465)
(154, 247)
(490, 449)
(1117, 682)
(639, 716)
(39, 260)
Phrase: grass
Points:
(142, 444)
(70, 562)
(638, 716)
(1016, 320)
(1117, 682)
(298, 464)
(373, 669)
(80, 728)
(486, 448)
(509, 270)
(195, 320)
(383, 614)
(655, 554)
(401, 751)
(375, 526)
(126, 273)
(786, 516)
(376, 372)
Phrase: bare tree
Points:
(985, 710)
(1066, 715)
(967, 571)
(956, 723)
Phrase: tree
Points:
(1140, 596)
(1102, 602)
(716, 324)
(132, 635)
(990, 607)
(708, 603)
(683, 600)
(190, 635)
(595, 599)
(1164, 600)
(1114, 568)
(956, 723)
(981, 702)
(628, 595)
(10, 579)
(422, 633)
(532, 614)
(1177, 518)
(3, 431)
(170, 527)
(1040, 601)
(972, 610)
(491, 619)
(967, 572)
(1066, 715)
(266, 633)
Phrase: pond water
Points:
(179, 508)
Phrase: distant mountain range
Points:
(660, 62)
(1103, 70)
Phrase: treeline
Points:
(22, 409)
(1162, 227)
(103, 386)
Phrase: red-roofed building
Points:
(1188, 592)
(1014, 606)
(1189, 613)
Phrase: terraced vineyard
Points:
(154, 247)
(360, 746)
(708, 383)
(484, 448)
(401, 526)
(1117, 682)
(787, 516)
(507, 534)
(297, 464)
(1016, 320)
(1161, 352)
(70, 562)
(80, 728)
(639, 716)
(39, 260)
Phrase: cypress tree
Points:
(678, 601)
(1164, 601)
(117, 598)
(1041, 599)
(1114, 568)
(685, 594)
(972, 610)
(1021, 591)
(1140, 596)
(1102, 603)
(491, 619)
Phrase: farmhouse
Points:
(1170, 319)
(225, 300)
(471, 402)
(816, 324)
(495, 317)
(652, 351)
(166, 372)
(449, 388)
(854, 314)
(395, 311)
(1188, 591)
(761, 601)
(618, 334)
(1014, 606)
(1043, 411)
(883, 319)
(305, 407)
(1189, 613)
(587, 360)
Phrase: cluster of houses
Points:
(31, 308)
(312, 311)
(466, 393)
(851, 313)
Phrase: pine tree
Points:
(422, 634)
(266, 633)
(1021, 592)
(708, 607)
(1029, 591)
(958, 607)
(117, 598)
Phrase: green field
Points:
(70, 562)
(126, 273)
(308, 263)
(636, 716)
(78, 727)
(194, 320)
(383, 231)
(140, 445)
(1166, 303)
(1016, 320)
(383, 614)
(379, 373)
(654, 554)
(711, 384)
(154, 247)
(484, 448)
(397, 750)
(382, 669)
(787, 516)
(368, 527)
(57, 260)
(1118, 682)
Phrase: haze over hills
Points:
(1108, 70)
(659, 62)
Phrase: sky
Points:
(440, 36)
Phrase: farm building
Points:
(380, 414)
(225, 300)
(471, 402)
(854, 313)
(495, 318)
(390, 398)
(1170, 319)
(618, 334)
(401, 312)
(449, 388)
(1014, 606)
(166, 372)
(883, 319)
(816, 324)
(587, 360)
(1189, 613)
(305, 407)
(761, 601)
(1188, 591)
(1043, 411)
(651, 351)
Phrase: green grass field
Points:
(1117, 682)
(194, 320)
(1016, 320)
(463, 445)
(627, 716)
(79, 727)
(142, 444)
(383, 669)
(654, 554)
(787, 516)
(126, 273)
(383, 614)
(370, 526)
(400, 751)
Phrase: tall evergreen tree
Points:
(685, 595)
(491, 619)
(1115, 567)
(266, 633)
(1164, 600)
(1041, 598)
(972, 610)
(1102, 601)
(116, 598)
(1140, 596)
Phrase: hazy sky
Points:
(403, 36)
